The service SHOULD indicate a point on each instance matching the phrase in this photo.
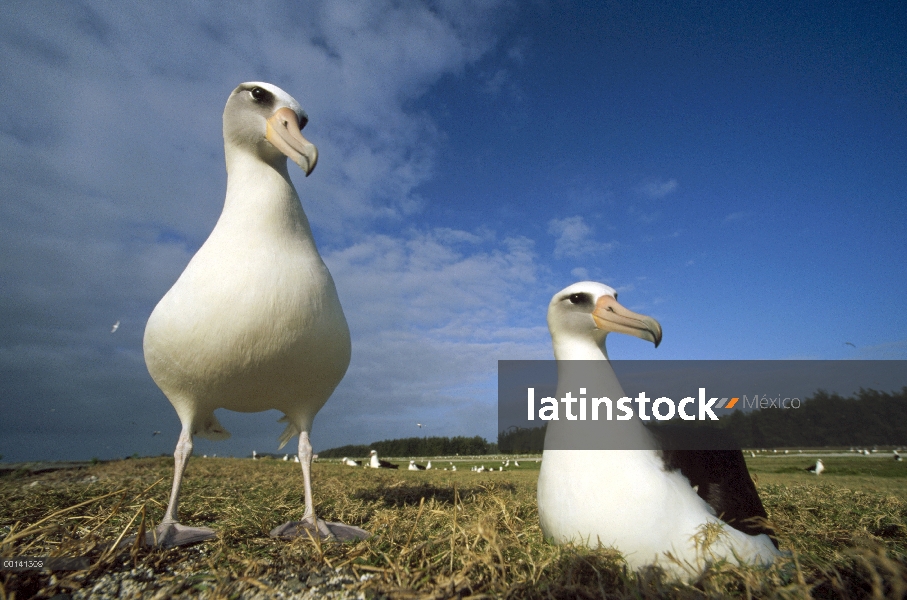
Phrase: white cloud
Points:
(657, 189)
(431, 320)
(573, 238)
(737, 216)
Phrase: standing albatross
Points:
(254, 322)
(641, 502)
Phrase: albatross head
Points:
(587, 312)
(265, 120)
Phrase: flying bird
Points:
(115, 327)
(155, 433)
(849, 344)
(419, 425)
(648, 504)
(254, 322)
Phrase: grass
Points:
(438, 534)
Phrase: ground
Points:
(438, 534)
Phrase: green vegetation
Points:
(438, 534)
(522, 440)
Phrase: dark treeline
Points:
(867, 418)
(522, 440)
(415, 446)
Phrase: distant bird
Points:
(254, 322)
(897, 456)
(414, 467)
(516, 463)
(453, 468)
(849, 344)
(428, 466)
(254, 455)
(286, 457)
(816, 468)
(752, 454)
(351, 463)
(376, 463)
(115, 327)
(641, 502)
(155, 433)
(420, 425)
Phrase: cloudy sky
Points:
(738, 171)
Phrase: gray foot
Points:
(168, 535)
(325, 530)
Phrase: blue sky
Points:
(737, 171)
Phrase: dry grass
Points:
(437, 535)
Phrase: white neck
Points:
(570, 346)
(573, 354)
(261, 199)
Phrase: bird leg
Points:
(170, 532)
(310, 525)
(305, 461)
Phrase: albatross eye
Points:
(261, 95)
(580, 299)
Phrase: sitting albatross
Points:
(641, 502)
(254, 322)
(816, 468)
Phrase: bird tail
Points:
(289, 433)
(211, 429)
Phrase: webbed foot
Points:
(168, 535)
(325, 530)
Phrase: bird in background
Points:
(115, 327)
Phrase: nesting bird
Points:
(648, 504)
(254, 322)
(816, 468)
(377, 463)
